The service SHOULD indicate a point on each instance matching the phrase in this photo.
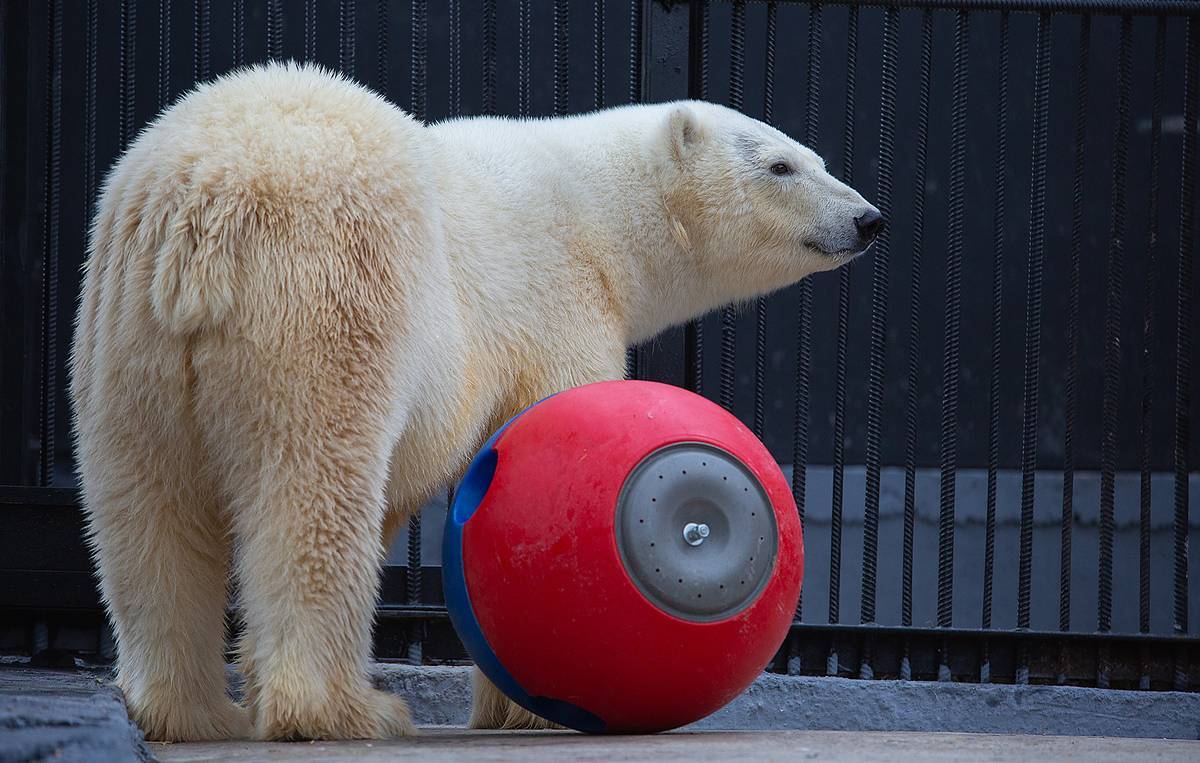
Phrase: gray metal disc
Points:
(682, 486)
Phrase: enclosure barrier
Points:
(80, 84)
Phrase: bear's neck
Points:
(564, 219)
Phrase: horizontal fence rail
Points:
(1183, 8)
(987, 422)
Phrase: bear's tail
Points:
(195, 266)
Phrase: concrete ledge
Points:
(787, 702)
(441, 696)
(65, 716)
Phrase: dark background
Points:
(44, 561)
(25, 164)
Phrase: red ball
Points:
(623, 557)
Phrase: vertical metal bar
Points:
(126, 72)
(760, 304)
(812, 92)
(383, 25)
(769, 63)
(1149, 310)
(737, 66)
(598, 54)
(50, 241)
(1032, 336)
(1112, 333)
(275, 29)
(704, 22)
(239, 32)
(455, 77)
(523, 73)
(1072, 392)
(635, 51)
(914, 337)
(1033, 326)
(489, 57)
(562, 57)
(812, 101)
(89, 118)
(879, 306)
(914, 321)
(347, 35)
(455, 57)
(635, 96)
(999, 216)
(310, 29)
(950, 365)
(1183, 331)
(418, 84)
(164, 53)
(758, 422)
(693, 337)
(202, 35)
(879, 277)
(800, 423)
(839, 412)
(993, 464)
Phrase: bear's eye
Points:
(781, 168)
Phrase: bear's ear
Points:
(683, 132)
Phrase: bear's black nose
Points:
(869, 224)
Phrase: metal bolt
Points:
(694, 533)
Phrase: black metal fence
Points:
(990, 416)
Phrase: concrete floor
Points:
(453, 744)
(77, 715)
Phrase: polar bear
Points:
(303, 311)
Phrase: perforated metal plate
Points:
(696, 484)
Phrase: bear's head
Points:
(755, 209)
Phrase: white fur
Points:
(303, 311)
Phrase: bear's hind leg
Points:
(162, 552)
(301, 415)
(308, 524)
